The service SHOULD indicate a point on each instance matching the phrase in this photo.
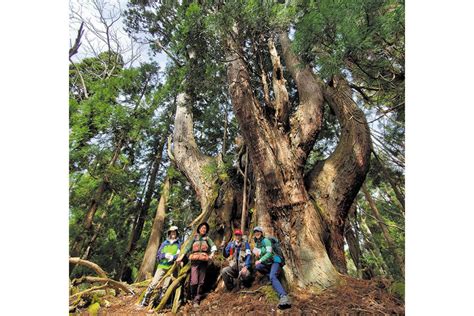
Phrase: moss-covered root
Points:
(182, 275)
(267, 291)
(177, 301)
(270, 293)
(93, 309)
(155, 291)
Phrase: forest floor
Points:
(354, 297)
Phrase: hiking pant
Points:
(156, 278)
(198, 273)
(273, 270)
(230, 273)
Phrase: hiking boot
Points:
(196, 300)
(160, 295)
(284, 302)
(146, 299)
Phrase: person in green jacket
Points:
(269, 263)
(167, 254)
(201, 250)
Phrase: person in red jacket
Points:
(240, 263)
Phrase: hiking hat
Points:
(173, 228)
(205, 224)
(258, 229)
(238, 232)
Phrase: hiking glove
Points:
(169, 257)
(256, 252)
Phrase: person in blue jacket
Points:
(240, 263)
(166, 255)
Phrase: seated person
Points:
(240, 263)
(269, 264)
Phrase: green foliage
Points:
(332, 32)
(398, 289)
(93, 309)
(270, 293)
(393, 221)
(213, 170)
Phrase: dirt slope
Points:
(355, 297)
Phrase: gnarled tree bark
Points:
(294, 218)
(334, 182)
(187, 156)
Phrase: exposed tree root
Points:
(142, 283)
(95, 288)
(89, 264)
(182, 276)
(155, 291)
(177, 301)
(76, 298)
(111, 283)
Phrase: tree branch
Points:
(77, 43)
(88, 264)
(334, 182)
(282, 103)
(307, 120)
(115, 284)
(173, 58)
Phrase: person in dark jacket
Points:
(240, 263)
(166, 255)
(201, 250)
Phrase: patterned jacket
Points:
(200, 244)
(240, 254)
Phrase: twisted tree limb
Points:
(333, 183)
(282, 102)
(307, 120)
(115, 284)
(92, 289)
(182, 275)
(89, 264)
(77, 43)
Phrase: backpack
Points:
(277, 249)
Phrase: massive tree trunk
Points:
(149, 259)
(244, 198)
(277, 160)
(213, 194)
(307, 216)
(334, 182)
(189, 159)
